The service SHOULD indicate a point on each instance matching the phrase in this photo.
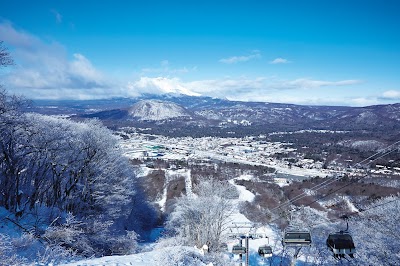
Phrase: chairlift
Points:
(237, 249)
(341, 243)
(265, 251)
(296, 238)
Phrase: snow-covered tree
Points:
(5, 57)
(70, 167)
(202, 218)
(374, 230)
(12, 156)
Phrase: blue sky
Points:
(303, 52)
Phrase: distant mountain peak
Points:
(157, 110)
(164, 85)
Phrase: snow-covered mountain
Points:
(182, 112)
(163, 86)
(155, 110)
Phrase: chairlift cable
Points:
(354, 181)
(334, 178)
(357, 212)
(376, 206)
(319, 198)
(385, 233)
(332, 181)
(397, 142)
(383, 155)
(300, 195)
(303, 195)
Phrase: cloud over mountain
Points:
(43, 69)
(391, 94)
(160, 85)
(46, 70)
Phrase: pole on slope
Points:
(296, 254)
(241, 255)
(247, 250)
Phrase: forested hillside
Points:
(67, 186)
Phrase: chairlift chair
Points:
(265, 251)
(237, 249)
(296, 238)
(341, 243)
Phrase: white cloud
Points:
(43, 69)
(315, 100)
(57, 15)
(216, 88)
(279, 60)
(363, 101)
(159, 85)
(236, 59)
(391, 94)
(269, 90)
(226, 86)
(83, 68)
(17, 38)
(305, 83)
(246, 89)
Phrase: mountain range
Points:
(182, 111)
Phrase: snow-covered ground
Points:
(140, 259)
(240, 225)
(244, 194)
(154, 257)
(269, 235)
(171, 174)
(211, 150)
